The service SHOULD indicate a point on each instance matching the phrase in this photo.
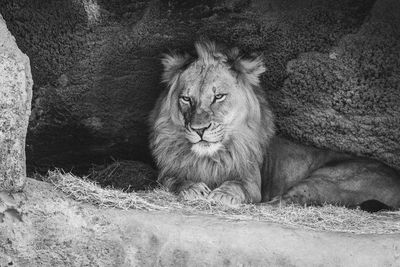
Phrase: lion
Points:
(213, 137)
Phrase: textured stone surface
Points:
(96, 64)
(15, 107)
(57, 231)
(348, 98)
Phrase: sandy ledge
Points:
(57, 230)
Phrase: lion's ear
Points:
(173, 64)
(249, 70)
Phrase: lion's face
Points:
(208, 100)
(211, 104)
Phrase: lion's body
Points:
(308, 175)
(213, 136)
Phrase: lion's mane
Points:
(248, 144)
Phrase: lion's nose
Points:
(200, 129)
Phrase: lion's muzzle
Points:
(200, 129)
(212, 133)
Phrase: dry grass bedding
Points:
(327, 218)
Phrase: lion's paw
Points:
(195, 191)
(224, 198)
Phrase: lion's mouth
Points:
(206, 143)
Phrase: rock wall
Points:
(97, 71)
(15, 107)
(348, 98)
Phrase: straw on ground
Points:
(327, 218)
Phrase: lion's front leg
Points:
(230, 193)
(186, 189)
(235, 192)
(195, 191)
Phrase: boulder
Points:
(348, 98)
(15, 108)
(54, 230)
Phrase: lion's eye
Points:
(185, 99)
(219, 97)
